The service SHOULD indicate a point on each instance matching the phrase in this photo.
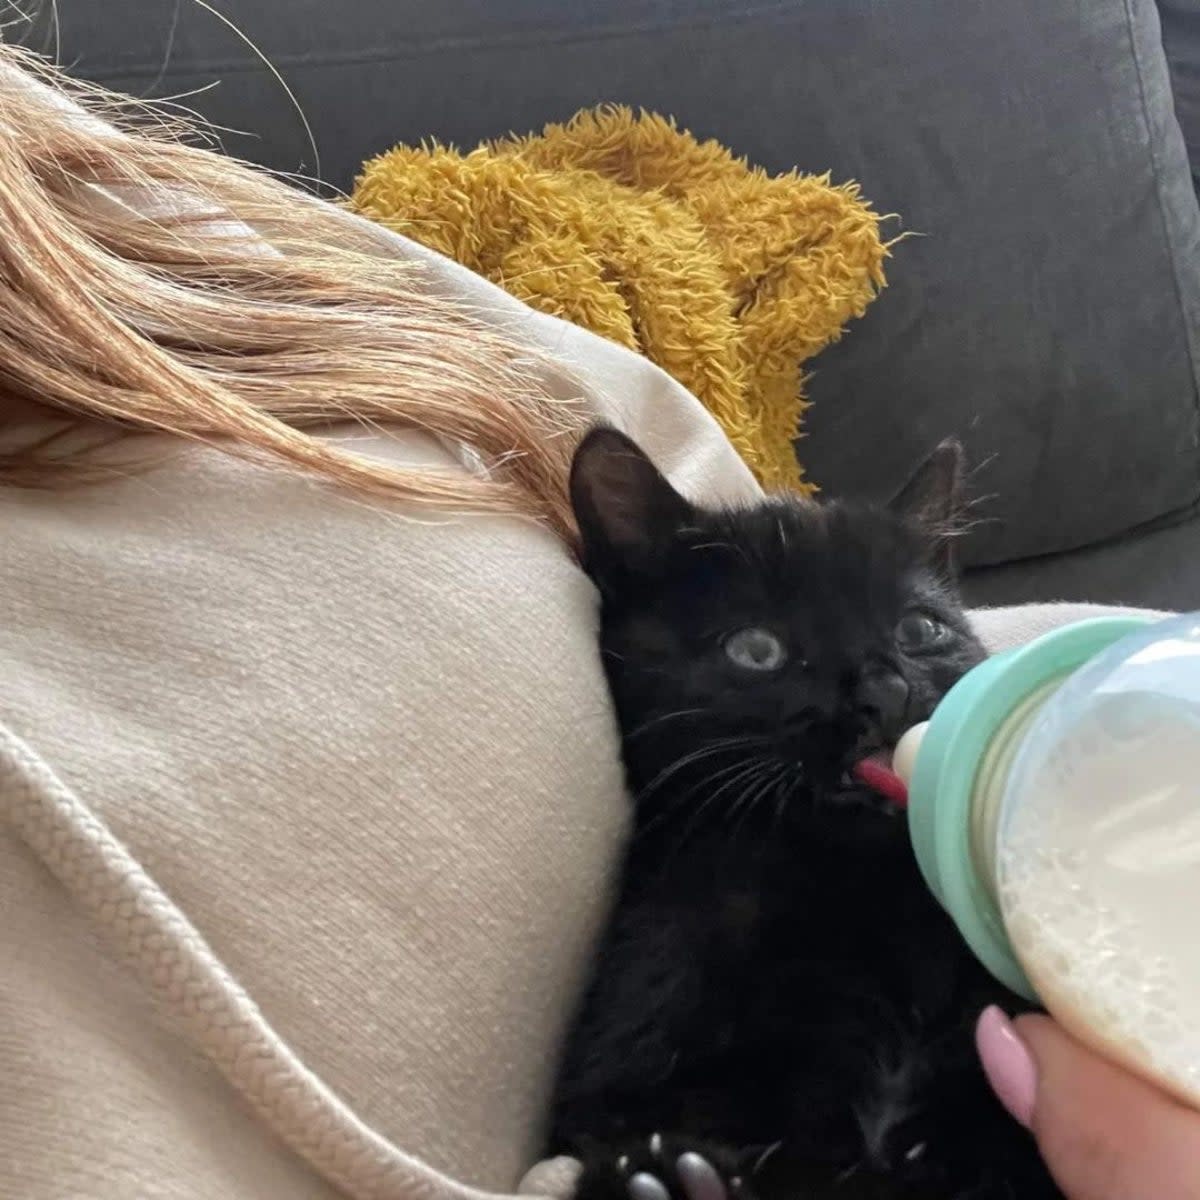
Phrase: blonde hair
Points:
(170, 319)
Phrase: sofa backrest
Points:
(1046, 307)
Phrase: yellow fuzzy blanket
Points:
(725, 276)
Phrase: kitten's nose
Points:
(883, 694)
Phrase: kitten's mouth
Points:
(875, 772)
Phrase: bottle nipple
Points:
(904, 758)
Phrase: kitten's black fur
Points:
(775, 970)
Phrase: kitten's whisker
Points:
(781, 800)
(678, 765)
(753, 763)
(773, 782)
(698, 813)
(679, 801)
(766, 1157)
(707, 781)
(659, 720)
(752, 785)
(750, 769)
(708, 750)
(848, 1173)
(739, 550)
(755, 792)
(777, 782)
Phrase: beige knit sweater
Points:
(307, 814)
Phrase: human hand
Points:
(1105, 1134)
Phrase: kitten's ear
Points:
(933, 500)
(623, 505)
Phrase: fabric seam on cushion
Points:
(1190, 336)
(1164, 523)
(451, 42)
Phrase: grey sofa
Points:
(1049, 311)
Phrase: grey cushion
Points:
(1155, 567)
(1181, 40)
(1049, 309)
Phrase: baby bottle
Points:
(1054, 807)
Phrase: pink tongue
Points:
(877, 774)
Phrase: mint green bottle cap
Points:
(947, 765)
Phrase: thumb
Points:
(1105, 1134)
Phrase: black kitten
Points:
(779, 1008)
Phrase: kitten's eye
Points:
(918, 633)
(755, 649)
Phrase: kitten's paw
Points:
(663, 1168)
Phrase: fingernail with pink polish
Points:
(1007, 1063)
